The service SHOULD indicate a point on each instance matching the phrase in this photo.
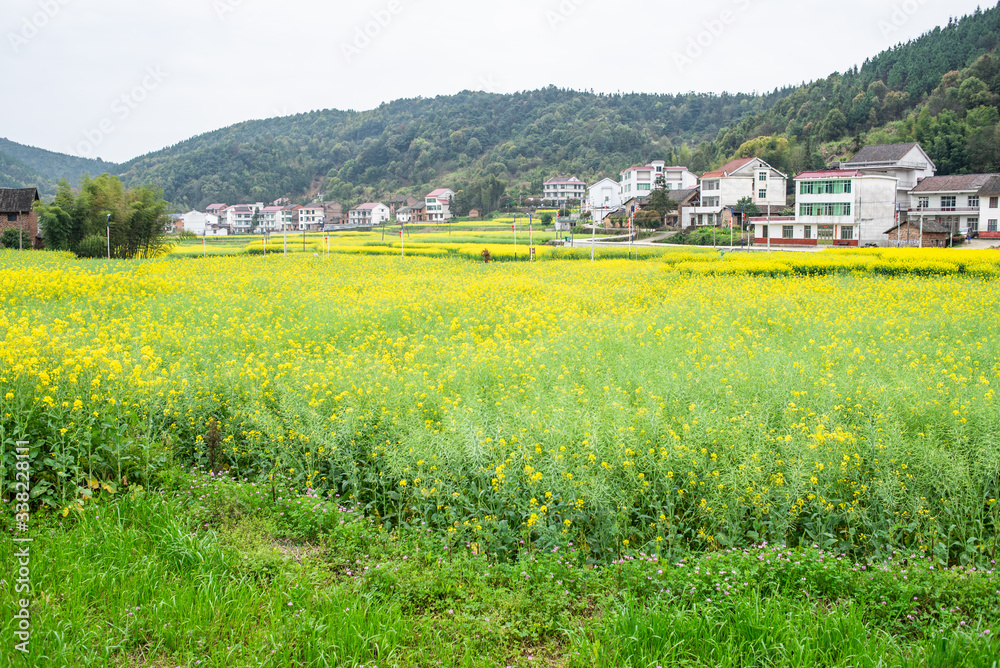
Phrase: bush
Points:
(8, 239)
(94, 245)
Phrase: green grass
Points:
(214, 572)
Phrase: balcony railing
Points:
(944, 209)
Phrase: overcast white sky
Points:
(119, 78)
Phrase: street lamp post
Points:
(593, 231)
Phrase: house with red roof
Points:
(216, 209)
(438, 205)
(723, 188)
(744, 177)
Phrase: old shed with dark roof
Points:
(17, 200)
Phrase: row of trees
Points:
(133, 220)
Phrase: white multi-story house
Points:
(640, 180)
(369, 213)
(276, 218)
(311, 217)
(953, 202)
(723, 188)
(989, 209)
(746, 177)
(439, 204)
(202, 224)
(907, 163)
(602, 198)
(239, 217)
(562, 189)
(838, 207)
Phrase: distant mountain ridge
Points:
(410, 146)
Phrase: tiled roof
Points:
(728, 168)
(218, 206)
(929, 226)
(991, 188)
(440, 192)
(17, 200)
(368, 205)
(681, 195)
(956, 183)
(271, 209)
(883, 153)
(564, 179)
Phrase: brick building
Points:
(909, 234)
(16, 211)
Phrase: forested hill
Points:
(411, 145)
(940, 89)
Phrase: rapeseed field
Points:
(642, 403)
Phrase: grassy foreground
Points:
(213, 572)
(783, 461)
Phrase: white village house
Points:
(602, 198)
(369, 213)
(723, 188)
(439, 204)
(953, 202)
(907, 163)
(311, 217)
(203, 224)
(989, 209)
(562, 189)
(639, 181)
(837, 207)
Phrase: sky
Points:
(119, 78)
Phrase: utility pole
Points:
(108, 223)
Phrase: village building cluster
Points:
(886, 195)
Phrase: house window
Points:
(973, 224)
(11, 217)
(807, 232)
(787, 231)
(923, 202)
(763, 231)
(973, 201)
(762, 176)
(762, 194)
(991, 226)
(846, 233)
(643, 186)
(994, 202)
(948, 202)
